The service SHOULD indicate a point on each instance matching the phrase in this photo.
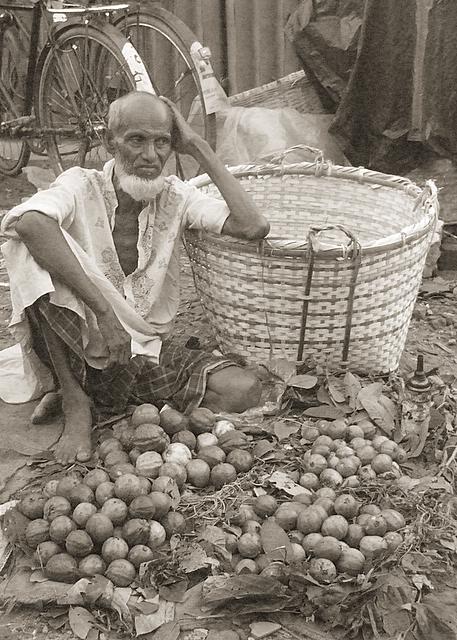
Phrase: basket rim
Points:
(291, 79)
(425, 198)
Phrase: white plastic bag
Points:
(248, 134)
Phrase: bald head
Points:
(137, 106)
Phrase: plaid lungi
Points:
(179, 379)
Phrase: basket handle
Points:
(278, 157)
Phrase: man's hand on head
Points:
(183, 136)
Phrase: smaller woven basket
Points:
(294, 91)
(337, 277)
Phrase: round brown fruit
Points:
(212, 455)
(351, 561)
(162, 503)
(62, 567)
(322, 570)
(104, 492)
(118, 456)
(79, 544)
(140, 553)
(56, 506)
(325, 440)
(116, 510)
(372, 546)
(305, 498)
(142, 507)
(375, 526)
(347, 467)
(366, 454)
(206, 440)
(82, 512)
(37, 531)
(251, 526)
(400, 455)
(150, 437)
(346, 505)
(145, 486)
(172, 421)
(99, 527)
(366, 473)
(175, 471)
(249, 545)
(81, 493)
(310, 521)
(145, 413)
(136, 531)
(331, 478)
(354, 535)
(368, 428)
(95, 477)
(286, 517)
(198, 473)
(108, 445)
(351, 482)
(394, 519)
(335, 526)
(157, 535)
(60, 527)
(127, 487)
(381, 463)
(310, 433)
(45, 551)
(354, 431)
(114, 549)
(201, 420)
(121, 573)
(393, 540)
(337, 429)
(309, 481)
(121, 469)
(222, 474)
(370, 509)
(50, 488)
(173, 522)
(91, 565)
(66, 484)
(165, 484)
(328, 547)
(296, 536)
(148, 464)
(310, 541)
(185, 437)
(32, 505)
(134, 454)
(241, 459)
(316, 464)
(265, 506)
(327, 504)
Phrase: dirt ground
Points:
(432, 332)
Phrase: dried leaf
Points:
(193, 558)
(336, 389)
(275, 541)
(263, 448)
(174, 592)
(380, 409)
(303, 381)
(284, 430)
(438, 618)
(283, 482)
(325, 412)
(37, 576)
(220, 590)
(168, 631)
(81, 621)
(281, 368)
(353, 387)
(151, 622)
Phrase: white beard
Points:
(138, 188)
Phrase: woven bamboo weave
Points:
(345, 295)
(294, 91)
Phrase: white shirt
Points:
(84, 202)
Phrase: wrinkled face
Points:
(143, 140)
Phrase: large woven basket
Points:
(294, 91)
(337, 277)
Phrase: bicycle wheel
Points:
(14, 152)
(164, 43)
(81, 73)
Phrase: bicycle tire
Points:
(81, 72)
(14, 152)
(157, 30)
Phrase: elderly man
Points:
(94, 265)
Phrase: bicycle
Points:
(63, 96)
(64, 93)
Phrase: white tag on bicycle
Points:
(59, 17)
(137, 68)
(213, 94)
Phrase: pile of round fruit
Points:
(113, 519)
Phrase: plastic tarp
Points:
(402, 85)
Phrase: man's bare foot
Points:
(75, 441)
(49, 407)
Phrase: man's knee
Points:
(234, 389)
